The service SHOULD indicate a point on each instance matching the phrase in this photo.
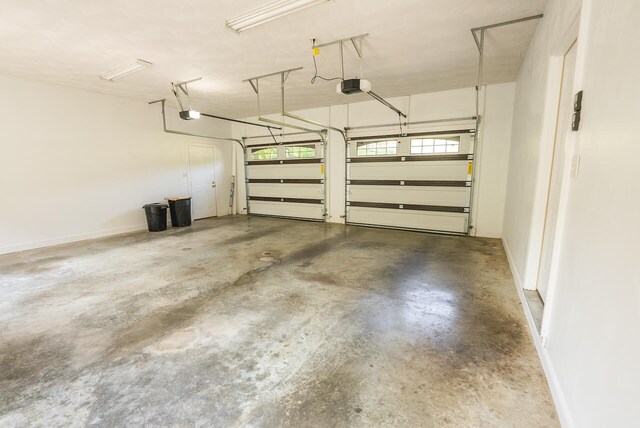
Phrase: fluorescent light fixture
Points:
(125, 69)
(269, 12)
(189, 115)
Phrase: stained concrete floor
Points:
(265, 322)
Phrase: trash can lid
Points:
(156, 205)
(177, 198)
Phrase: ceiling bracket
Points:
(478, 34)
(357, 45)
(479, 43)
(255, 88)
(272, 74)
(255, 83)
(284, 75)
(182, 86)
(355, 40)
(478, 37)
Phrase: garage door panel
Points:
(442, 170)
(306, 171)
(287, 179)
(285, 190)
(457, 197)
(415, 181)
(288, 209)
(435, 221)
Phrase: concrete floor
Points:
(265, 322)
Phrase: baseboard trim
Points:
(488, 234)
(71, 238)
(558, 396)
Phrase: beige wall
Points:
(590, 346)
(77, 164)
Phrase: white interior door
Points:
(565, 112)
(202, 176)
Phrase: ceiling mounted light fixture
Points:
(125, 70)
(269, 12)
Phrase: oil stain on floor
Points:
(241, 321)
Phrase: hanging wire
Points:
(315, 67)
(317, 76)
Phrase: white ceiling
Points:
(414, 46)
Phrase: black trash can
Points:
(156, 216)
(180, 209)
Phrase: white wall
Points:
(592, 315)
(493, 159)
(78, 165)
(492, 153)
(533, 123)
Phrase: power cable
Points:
(317, 76)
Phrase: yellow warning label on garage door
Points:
(322, 169)
(470, 168)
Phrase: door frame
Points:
(546, 155)
(565, 184)
(560, 142)
(215, 174)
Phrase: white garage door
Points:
(286, 180)
(421, 181)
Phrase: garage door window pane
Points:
(428, 146)
(307, 151)
(264, 154)
(377, 148)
